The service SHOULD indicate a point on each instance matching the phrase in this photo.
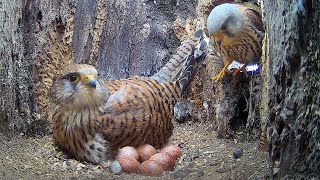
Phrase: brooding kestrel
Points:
(236, 31)
(92, 119)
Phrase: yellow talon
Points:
(222, 73)
(219, 76)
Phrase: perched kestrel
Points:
(236, 31)
(92, 119)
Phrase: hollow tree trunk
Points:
(126, 37)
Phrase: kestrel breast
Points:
(245, 48)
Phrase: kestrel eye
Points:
(73, 78)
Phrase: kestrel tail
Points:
(236, 31)
(172, 70)
(92, 119)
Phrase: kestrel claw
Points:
(222, 73)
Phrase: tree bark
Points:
(17, 106)
(291, 87)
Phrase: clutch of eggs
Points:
(146, 160)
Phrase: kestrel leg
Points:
(243, 69)
(223, 71)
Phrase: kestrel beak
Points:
(89, 80)
(217, 38)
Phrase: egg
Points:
(145, 152)
(151, 168)
(172, 150)
(128, 151)
(167, 162)
(129, 164)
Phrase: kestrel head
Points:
(79, 86)
(224, 20)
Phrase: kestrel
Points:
(236, 31)
(172, 70)
(92, 119)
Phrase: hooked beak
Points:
(89, 80)
(217, 38)
(218, 42)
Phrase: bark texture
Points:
(291, 87)
(16, 97)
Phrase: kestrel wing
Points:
(255, 18)
(138, 113)
(114, 85)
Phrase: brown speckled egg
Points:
(129, 164)
(128, 151)
(167, 162)
(151, 168)
(146, 151)
(172, 150)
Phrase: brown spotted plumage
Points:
(236, 32)
(139, 112)
(92, 119)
